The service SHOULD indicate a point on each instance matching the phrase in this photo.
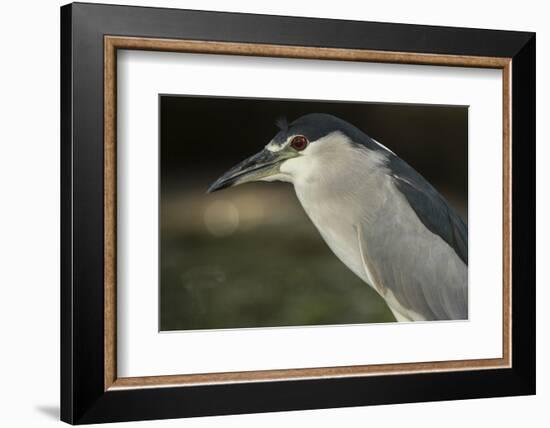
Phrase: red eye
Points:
(299, 143)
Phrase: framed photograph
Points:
(266, 213)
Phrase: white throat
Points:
(333, 183)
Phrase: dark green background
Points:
(271, 268)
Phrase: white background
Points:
(29, 219)
(142, 351)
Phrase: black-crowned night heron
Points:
(380, 217)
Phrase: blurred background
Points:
(249, 256)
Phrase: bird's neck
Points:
(354, 179)
(340, 199)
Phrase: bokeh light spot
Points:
(221, 218)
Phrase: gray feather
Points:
(430, 207)
(282, 124)
(421, 271)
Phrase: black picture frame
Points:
(83, 396)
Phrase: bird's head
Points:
(298, 149)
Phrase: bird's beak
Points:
(257, 167)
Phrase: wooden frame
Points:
(112, 43)
(516, 321)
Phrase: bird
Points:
(377, 214)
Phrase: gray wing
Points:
(431, 208)
(420, 266)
